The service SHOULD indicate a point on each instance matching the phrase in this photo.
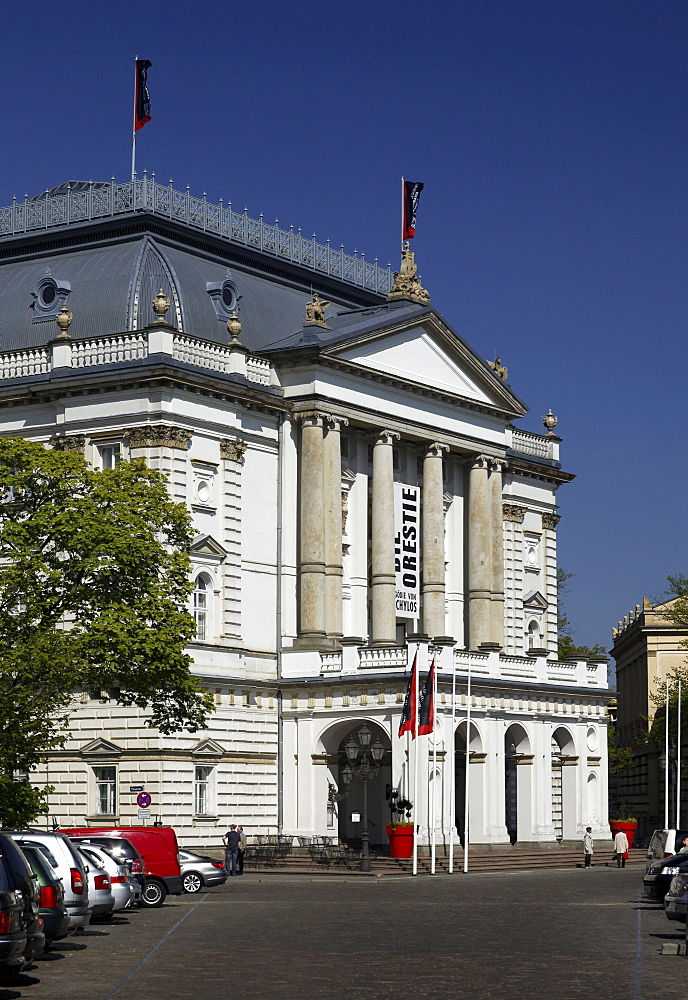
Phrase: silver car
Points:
(198, 871)
(99, 889)
(68, 863)
(123, 886)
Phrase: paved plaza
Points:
(562, 935)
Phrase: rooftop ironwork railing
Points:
(87, 203)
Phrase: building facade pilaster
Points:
(479, 595)
(433, 589)
(384, 619)
(332, 475)
(312, 526)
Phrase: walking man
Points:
(588, 846)
(241, 851)
(621, 848)
(231, 841)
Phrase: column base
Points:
(324, 643)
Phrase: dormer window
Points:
(224, 297)
(49, 295)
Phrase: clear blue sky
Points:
(551, 137)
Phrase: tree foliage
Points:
(94, 584)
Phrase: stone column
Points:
(496, 552)
(479, 596)
(312, 524)
(384, 631)
(433, 541)
(333, 526)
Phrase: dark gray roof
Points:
(111, 287)
(347, 323)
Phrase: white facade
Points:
(286, 455)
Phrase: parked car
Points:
(124, 887)
(198, 871)
(664, 844)
(158, 847)
(51, 902)
(676, 899)
(66, 861)
(21, 881)
(657, 879)
(99, 889)
(13, 931)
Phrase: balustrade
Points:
(102, 200)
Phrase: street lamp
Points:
(363, 761)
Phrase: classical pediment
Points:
(431, 355)
(101, 748)
(208, 748)
(534, 601)
(207, 545)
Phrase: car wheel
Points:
(192, 882)
(153, 894)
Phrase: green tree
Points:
(566, 647)
(94, 584)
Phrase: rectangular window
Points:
(106, 790)
(110, 456)
(202, 791)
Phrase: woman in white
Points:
(621, 848)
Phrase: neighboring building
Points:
(646, 649)
(341, 418)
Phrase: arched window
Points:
(201, 607)
(533, 634)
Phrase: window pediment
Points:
(209, 546)
(208, 748)
(534, 601)
(101, 748)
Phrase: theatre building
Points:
(356, 475)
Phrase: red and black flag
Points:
(426, 712)
(142, 113)
(408, 714)
(412, 190)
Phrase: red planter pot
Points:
(400, 840)
(629, 827)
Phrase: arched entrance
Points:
(517, 783)
(477, 783)
(341, 813)
(564, 761)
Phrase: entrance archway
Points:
(517, 783)
(338, 812)
(564, 761)
(477, 783)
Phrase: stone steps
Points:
(508, 859)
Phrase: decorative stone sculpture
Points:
(232, 451)
(161, 304)
(159, 436)
(234, 327)
(406, 281)
(69, 442)
(64, 321)
(499, 369)
(550, 422)
(315, 312)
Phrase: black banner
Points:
(142, 104)
(412, 190)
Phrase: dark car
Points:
(56, 923)
(676, 899)
(659, 875)
(17, 879)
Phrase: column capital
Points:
(385, 437)
(336, 422)
(550, 520)
(479, 461)
(434, 449)
(498, 464)
(311, 418)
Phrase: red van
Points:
(158, 847)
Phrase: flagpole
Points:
(402, 212)
(468, 760)
(678, 761)
(666, 758)
(433, 811)
(415, 768)
(452, 790)
(133, 130)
